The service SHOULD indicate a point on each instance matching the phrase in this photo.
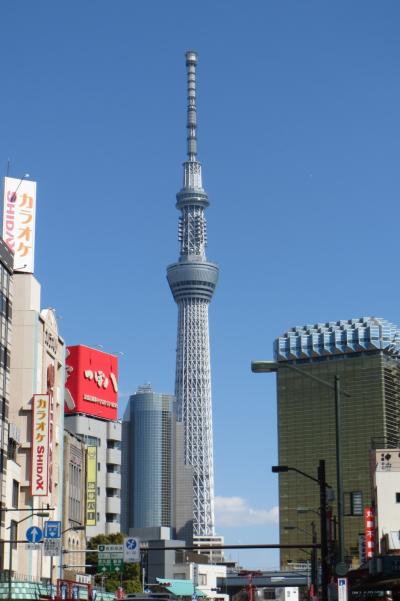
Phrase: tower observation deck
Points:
(192, 281)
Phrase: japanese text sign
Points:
(369, 519)
(91, 486)
(92, 382)
(19, 209)
(40, 445)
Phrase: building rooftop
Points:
(338, 337)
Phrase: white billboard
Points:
(40, 445)
(19, 209)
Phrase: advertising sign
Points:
(369, 518)
(131, 550)
(92, 382)
(91, 486)
(19, 208)
(40, 445)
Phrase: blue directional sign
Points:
(34, 534)
(52, 529)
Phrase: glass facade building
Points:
(365, 354)
(152, 464)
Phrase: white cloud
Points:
(235, 511)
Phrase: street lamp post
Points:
(39, 514)
(314, 571)
(320, 480)
(275, 366)
(76, 528)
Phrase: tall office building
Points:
(157, 490)
(192, 281)
(365, 354)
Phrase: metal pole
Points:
(51, 576)
(339, 469)
(324, 533)
(314, 567)
(10, 570)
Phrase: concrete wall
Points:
(36, 350)
(107, 433)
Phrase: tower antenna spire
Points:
(192, 280)
(191, 62)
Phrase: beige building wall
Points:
(37, 367)
(74, 505)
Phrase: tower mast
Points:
(192, 281)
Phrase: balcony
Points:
(113, 480)
(113, 505)
(114, 456)
(113, 527)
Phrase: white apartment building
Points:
(106, 436)
(386, 483)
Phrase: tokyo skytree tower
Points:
(192, 281)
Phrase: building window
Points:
(13, 533)
(356, 503)
(202, 579)
(98, 491)
(12, 450)
(15, 493)
(398, 497)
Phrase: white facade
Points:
(37, 367)
(214, 555)
(204, 576)
(386, 479)
(106, 435)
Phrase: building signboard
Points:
(91, 486)
(40, 445)
(369, 517)
(92, 382)
(19, 209)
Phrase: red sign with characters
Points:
(92, 382)
(369, 517)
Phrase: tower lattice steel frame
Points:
(192, 281)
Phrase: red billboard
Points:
(92, 382)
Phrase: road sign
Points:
(131, 550)
(34, 534)
(32, 546)
(52, 529)
(52, 547)
(110, 558)
(342, 589)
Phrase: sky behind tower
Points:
(298, 114)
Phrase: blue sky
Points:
(299, 136)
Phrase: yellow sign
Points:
(91, 486)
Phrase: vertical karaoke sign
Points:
(19, 213)
(40, 445)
